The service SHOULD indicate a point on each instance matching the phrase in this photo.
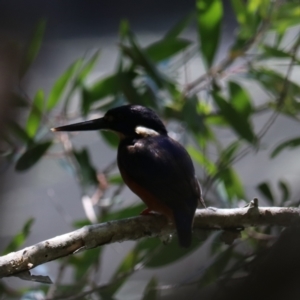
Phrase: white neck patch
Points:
(144, 131)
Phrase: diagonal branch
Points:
(140, 227)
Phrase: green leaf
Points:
(83, 262)
(147, 95)
(81, 223)
(5, 137)
(180, 26)
(228, 153)
(19, 132)
(284, 190)
(143, 249)
(270, 52)
(19, 239)
(279, 37)
(209, 19)
(194, 118)
(34, 118)
(166, 48)
(32, 155)
(258, 7)
(237, 121)
(274, 81)
(18, 100)
(202, 160)
(151, 293)
(265, 189)
(288, 10)
(88, 174)
(115, 179)
(216, 245)
(240, 99)
(287, 15)
(232, 183)
(61, 84)
(126, 266)
(125, 82)
(107, 86)
(293, 143)
(240, 11)
(110, 138)
(146, 247)
(124, 28)
(249, 15)
(108, 292)
(140, 58)
(124, 213)
(34, 46)
(214, 271)
(216, 119)
(171, 253)
(88, 67)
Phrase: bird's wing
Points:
(164, 168)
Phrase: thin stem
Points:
(53, 288)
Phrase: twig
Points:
(104, 286)
(84, 294)
(139, 227)
(280, 102)
(225, 63)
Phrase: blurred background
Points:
(50, 198)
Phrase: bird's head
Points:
(127, 121)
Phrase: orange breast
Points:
(151, 201)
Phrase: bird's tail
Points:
(183, 223)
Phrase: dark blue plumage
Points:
(162, 166)
(154, 166)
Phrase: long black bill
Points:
(96, 124)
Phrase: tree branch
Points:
(139, 227)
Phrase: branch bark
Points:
(139, 227)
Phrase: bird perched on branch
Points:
(154, 166)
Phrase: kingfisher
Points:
(154, 166)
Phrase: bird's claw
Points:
(147, 212)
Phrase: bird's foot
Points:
(147, 212)
(202, 202)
